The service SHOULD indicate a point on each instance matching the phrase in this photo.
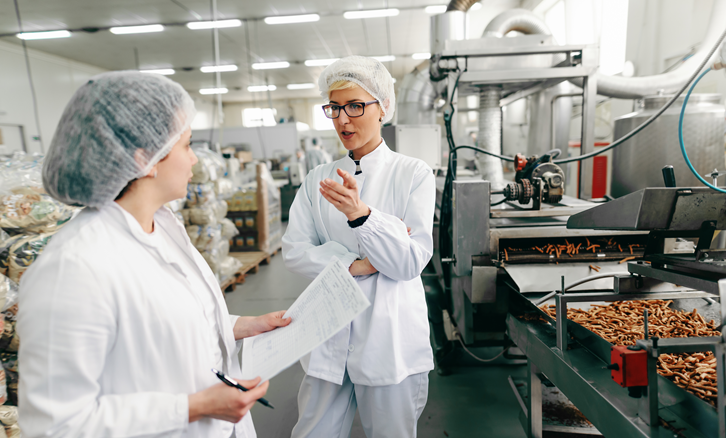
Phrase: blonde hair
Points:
(341, 85)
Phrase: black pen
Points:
(234, 384)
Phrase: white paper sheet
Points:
(330, 303)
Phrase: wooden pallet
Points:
(251, 262)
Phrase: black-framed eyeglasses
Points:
(353, 109)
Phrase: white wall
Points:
(55, 79)
(301, 109)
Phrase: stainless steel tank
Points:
(637, 163)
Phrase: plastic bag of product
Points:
(203, 214)
(229, 267)
(220, 209)
(223, 249)
(8, 293)
(215, 255)
(24, 252)
(8, 415)
(176, 205)
(3, 394)
(10, 364)
(194, 231)
(200, 193)
(210, 166)
(229, 230)
(29, 210)
(8, 334)
(224, 188)
(22, 170)
(13, 431)
(209, 237)
(5, 243)
(186, 216)
(212, 260)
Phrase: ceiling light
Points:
(475, 7)
(137, 29)
(375, 13)
(43, 35)
(258, 88)
(160, 71)
(289, 19)
(438, 9)
(219, 24)
(218, 68)
(300, 86)
(385, 58)
(270, 65)
(319, 62)
(421, 56)
(213, 91)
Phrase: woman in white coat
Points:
(121, 318)
(358, 209)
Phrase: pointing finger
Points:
(347, 178)
(334, 186)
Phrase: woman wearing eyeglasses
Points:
(374, 211)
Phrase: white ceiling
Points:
(179, 47)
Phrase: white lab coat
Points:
(390, 340)
(114, 340)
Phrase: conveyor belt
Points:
(580, 375)
(571, 249)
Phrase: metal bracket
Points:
(705, 236)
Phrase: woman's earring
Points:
(156, 172)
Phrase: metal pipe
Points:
(490, 135)
(520, 20)
(667, 83)
(416, 98)
(554, 100)
(460, 5)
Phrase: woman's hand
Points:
(225, 402)
(247, 326)
(362, 267)
(344, 197)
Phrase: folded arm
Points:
(386, 241)
(302, 249)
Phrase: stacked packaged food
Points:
(256, 212)
(28, 220)
(205, 214)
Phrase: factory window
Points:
(252, 117)
(320, 122)
(555, 19)
(583, 22)
(613, 36)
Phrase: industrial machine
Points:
(588, 369)
(537, 179)
(507, 243)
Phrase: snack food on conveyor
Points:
(572, 249)
(621, 323)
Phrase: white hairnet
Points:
(93, 155)
(369, 74)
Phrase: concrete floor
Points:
(474, 401)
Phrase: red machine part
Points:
(631, 367)
(520, 162)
